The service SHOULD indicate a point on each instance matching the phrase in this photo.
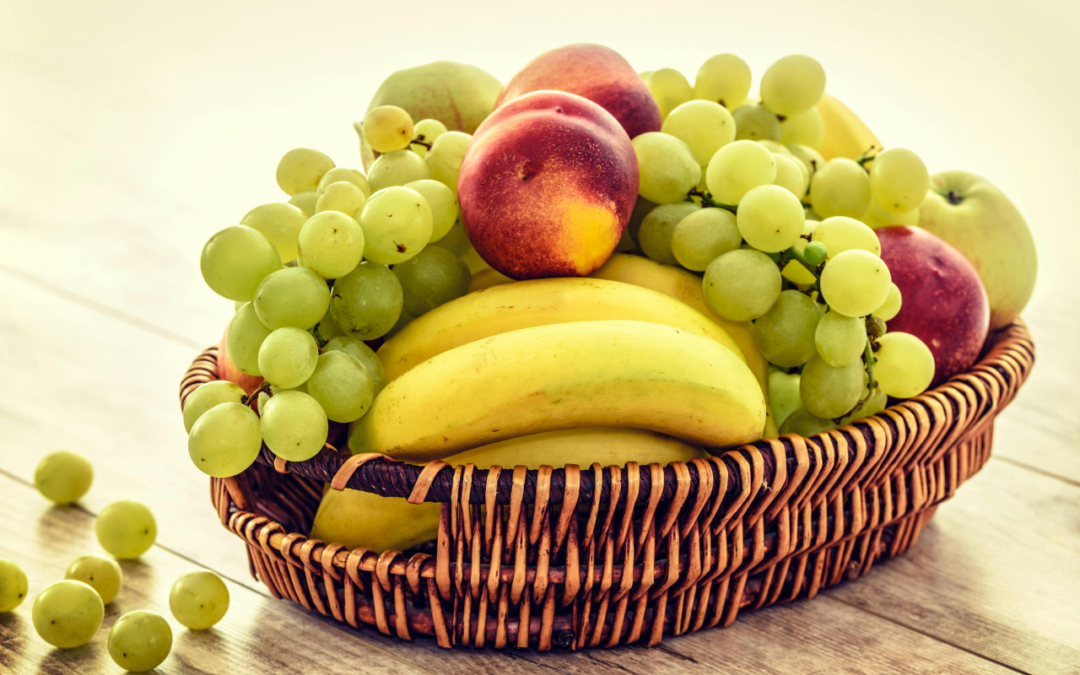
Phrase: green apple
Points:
(458, 95)
(978, 219)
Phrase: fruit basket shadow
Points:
(578, 557)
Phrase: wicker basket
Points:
(557, 557)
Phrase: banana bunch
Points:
(628, 366)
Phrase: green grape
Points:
(328, 328)
(456, 240)
(642, 208)
(829, 392)
(667, 166)
(445, 157)
(875, 327)
(841, 233)
(703, 125)
(199, 599)
(305, 201)
(792, 85)
(742, 285)
(737, 168)
(340, 174)
(898, 180)
(431, 278)
(840, 188)
(840, 339)
(342, 197)
(790, 175)
(67, 614)
(127, 528)
(367, 301)
(785, 334)
(292, 296)
(301, 169)
(891, 307)
(776, 147)
(397, 225)
(877, 217)
(810, 157)
(342, 386)
(443, 204)
(770, 218)
(244, 339)
(783, 395)
(288, 356)
(331, 243)
(207, 396)
(280, 224)
(755, 122)
(388, 128)
(669, 88)
(100, 573)
(294, 426)
(397, 168)
(725, 79)
(855, 282)
(13, 586)
(63, 477)
(426, 132)
(140, 641)
(704, 235)
(658, 228)
(403, 320)
(235, 260)
(905, 365)
(804, 423)
(807, 128)
(815, 253)
(364, 354)
(874, 404)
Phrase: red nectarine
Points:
(943, 300)
(599, 74)
(547, 186)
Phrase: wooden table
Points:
(128, 136)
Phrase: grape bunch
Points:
(344, 261)
(736, 189)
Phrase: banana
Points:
(686, 288)
(538, 302)
(354, 518)
(567, 375)
(486, 278)
(845, 134)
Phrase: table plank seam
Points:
(1036, 470)
(99, 307)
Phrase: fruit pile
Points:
(68, 613)
(588, 249)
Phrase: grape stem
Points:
(253, 397)
(868, 156)
(707, 200)
(419, 140)
(319, 339)
(796, 254)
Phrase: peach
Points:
(547, 186)
(599, 74)
(227, 370)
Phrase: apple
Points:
(458, 95)
(599, 74)
(943, 301)
(980, 221)
(227, 370)
(547, 186)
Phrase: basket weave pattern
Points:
(605, 556)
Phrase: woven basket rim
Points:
(434, 481)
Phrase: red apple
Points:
(227, 370)
(944, 302)
(547, 186)
(599, 74)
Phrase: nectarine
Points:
(599, 74)
(547, 186)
